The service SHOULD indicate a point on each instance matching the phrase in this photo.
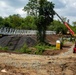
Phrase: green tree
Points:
(59, 27)
(1, 21)
(29, 22)
(6, 22)
(74, 23)
(15, 21)
(31, 7)
(44, 19)
(43, 12)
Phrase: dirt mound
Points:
(52, 38)
(16, 42)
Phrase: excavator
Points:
(70, 30)
(66, 24)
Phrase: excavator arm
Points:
(66, 24)
(71, 31)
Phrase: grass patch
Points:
(24, 49)
(39, 49)
(3, 48)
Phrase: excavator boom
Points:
(66, 24)
(71, 31)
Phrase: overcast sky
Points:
(65, 8)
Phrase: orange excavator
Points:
(70, 30)
(66, 24)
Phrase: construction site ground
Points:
(26, 64)
(56, 62)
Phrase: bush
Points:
(4, 48)
(24, 49)
(0, 48)
(40, 49)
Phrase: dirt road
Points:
(24, 64)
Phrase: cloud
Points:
(58, 4)
(65, 8)
(70, 8)
(10, 7)
(15, 3)
(20, 11)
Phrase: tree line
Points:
(28, 23)
(18, 22)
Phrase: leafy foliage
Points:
(3, 48)
(74, 23)
(42, 10)
(24, 49)
(16, 21)
(1, 21)
(31, 7)
(58, 27)
(40, 49)
(30, 23)
(44, 19)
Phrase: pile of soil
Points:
(14, 42)
(52, 39)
